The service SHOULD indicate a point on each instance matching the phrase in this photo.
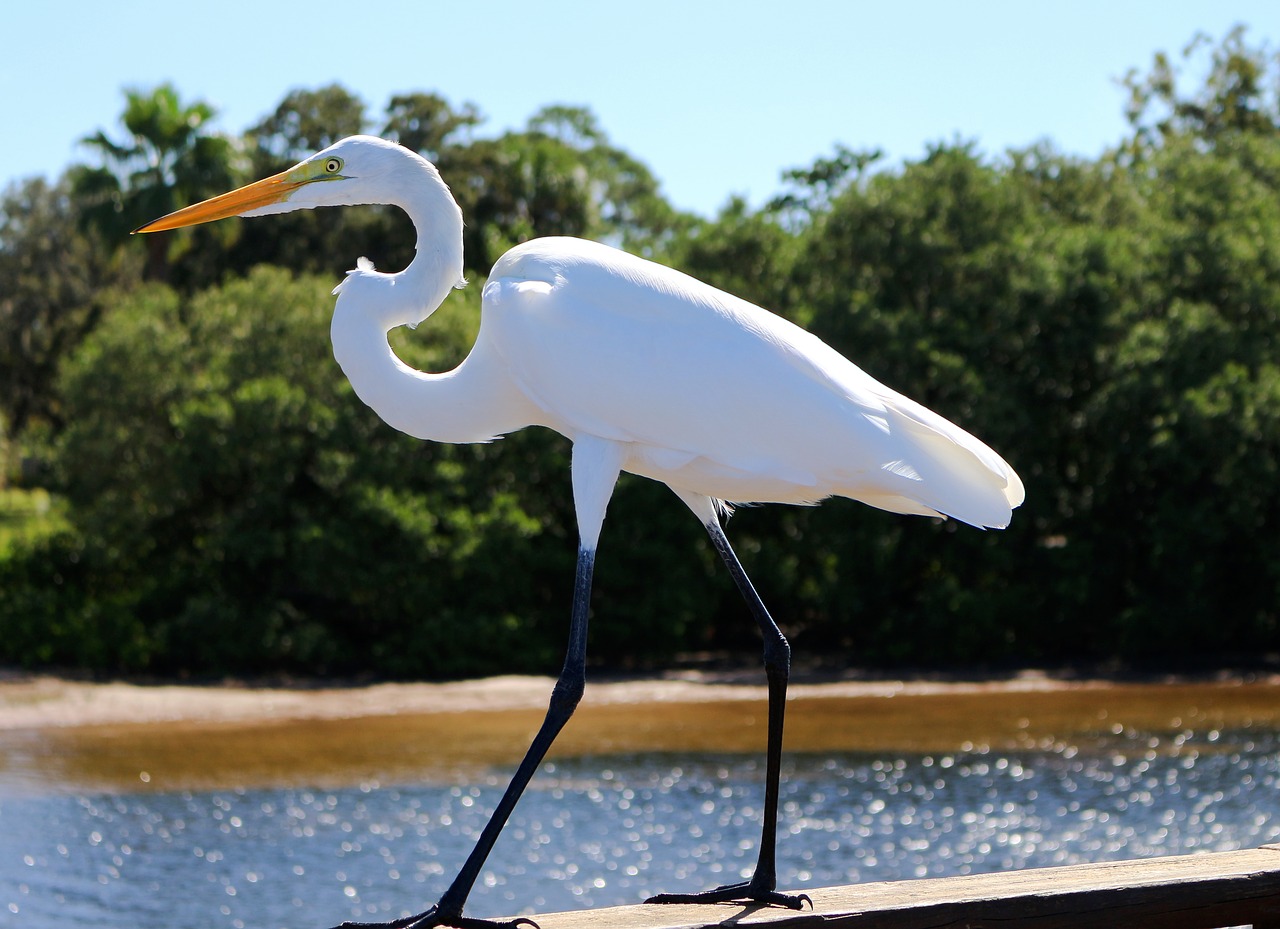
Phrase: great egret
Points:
(645, 370)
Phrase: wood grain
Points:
(1184, 892)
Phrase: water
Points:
(595, 831)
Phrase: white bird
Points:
(645, 370)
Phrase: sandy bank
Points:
(38, 702)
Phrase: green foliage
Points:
(1110, 326)
(304, 122)
(1191, 399)
(57, 610)
(747, 254)
(428, 123)
(169, 159)
(1239, 94)
(255, 516)
(54, 281)
(559, 176)
(27, 517)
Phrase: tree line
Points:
(1109, 325)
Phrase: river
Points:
(303, 823)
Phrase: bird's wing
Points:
(704, 383)
(613, 346)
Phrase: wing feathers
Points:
(721, 398)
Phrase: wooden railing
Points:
(1186, 892)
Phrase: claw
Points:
(466, 923)
(400, 923)
(738, 893)
(433, 918)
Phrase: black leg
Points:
(762, 888)
(564, 700)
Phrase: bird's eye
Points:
(333, 166)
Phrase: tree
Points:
(54, 283)
(629, 207)
(428, 124)
(256, 516)
(168, 160)
(559, 176)
(304, 122)
(324, 241)
(749, 254)
(813, 188)
(1109, 325)
(1239, 94)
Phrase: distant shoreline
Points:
(59, 735)
(45, 701)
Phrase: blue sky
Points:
(718, 98)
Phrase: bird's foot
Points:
(434, 917)
(746, 892)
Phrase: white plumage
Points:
(715, 396)
(646, 370)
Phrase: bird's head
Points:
(359, 169)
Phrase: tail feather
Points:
(946, 470)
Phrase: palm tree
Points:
(169, 159)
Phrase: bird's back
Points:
(716, 396)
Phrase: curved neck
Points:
(410, 296)
(475, 402)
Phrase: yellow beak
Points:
(261, 193)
